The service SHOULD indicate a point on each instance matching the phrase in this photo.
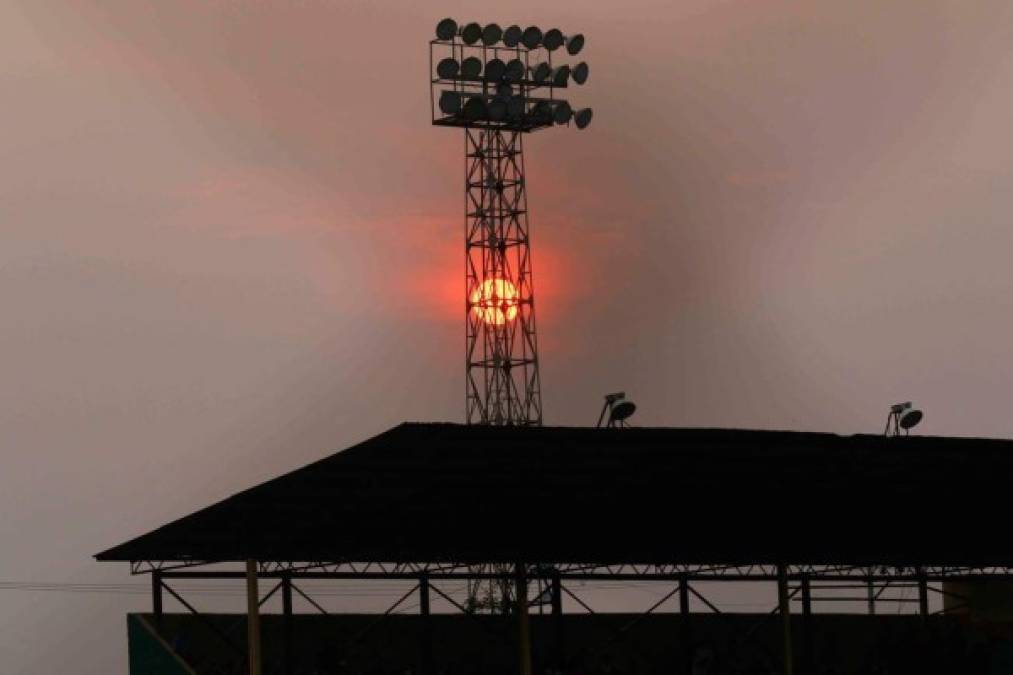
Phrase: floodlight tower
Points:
(497, 85)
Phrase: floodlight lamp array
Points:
(487, 76)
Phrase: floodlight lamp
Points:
(582, 118)
(532, 37)
(450, 102)
(471, 68)
(497, 109)
(446, 29)
(448, 68)
(560, 75)
(515, 107)
(617, 408)
(622, 410)
(541, 72)
(475, 109)
(580, 72)
(494, 70)
(491, 34)
(542, 112)
(512, 36)
(471, 33)
(902, 416)
(910, 418)
(574, 44)
(553, 39)
(514, 71)
(562, 113)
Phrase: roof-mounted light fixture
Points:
(619, 409)
(903, 416)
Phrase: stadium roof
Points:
(469, 494)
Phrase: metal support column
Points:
(784, 606)
(923, 597)
(871, 593)
(807, 600)
(559, 646)
(426, 634)
(253, 617)
(685, 628)
(286, 610)
(523, 621)
(156, 597)
(807, 631)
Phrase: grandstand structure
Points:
(678, 506)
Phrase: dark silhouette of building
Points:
(672, 505)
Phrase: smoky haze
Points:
(230, 243)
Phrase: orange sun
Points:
(495, 301)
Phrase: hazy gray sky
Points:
(230, 242)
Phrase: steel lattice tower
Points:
(502, 348)
(498, 85)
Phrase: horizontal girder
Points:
(576, 572)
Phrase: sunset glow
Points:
(495, 301)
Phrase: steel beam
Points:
(426, 635)
(253, 618)
(784, 607)
(685, 628)
(286, 610)
(156, 598)
(923, 598)
(559, 636)
(523, 622)
(807, 632)
(593, 572)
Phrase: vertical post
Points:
(807, 610)
(784, 606)
(685, 627)
(871, 594)
(923, 597)
(286, 610)
(557, 621)
(156, 597)
(426, 634)
(253, 617)
(807, 600)
(523, 623)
